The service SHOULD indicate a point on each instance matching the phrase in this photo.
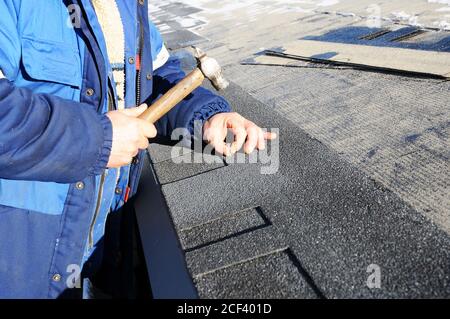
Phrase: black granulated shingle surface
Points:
(334, 220)
(236, 249)
(223, 228)
(185, 167)
(161, 150)
(273, 274)
(212, 194)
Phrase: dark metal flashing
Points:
(167, 270)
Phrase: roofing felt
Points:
(344, 200)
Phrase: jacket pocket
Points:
(51, 62)
(41, 197)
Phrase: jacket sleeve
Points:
(43, 137)
(46, 138)
(198, 106)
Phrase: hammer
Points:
(206, 68)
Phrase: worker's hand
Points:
(130, 134)
(216, 128)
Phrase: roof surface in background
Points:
(363, 172)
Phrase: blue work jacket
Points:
(55, 139)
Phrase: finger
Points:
(143, 143)
(214, 131)
(237, 126)
(147, 129)
(240, 134)
(270, 135)
(235, 119)
(215, 136)
(222, 148)
(134, 153)
(261, 141)
(125, 160)
(132, 148)
(135, 111)
(252, 139)
(217, 141)
(128, 160)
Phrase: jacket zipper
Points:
(97, 208)
(111, 107)
(138, 62)
(102, 183)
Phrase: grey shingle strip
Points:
(162, 152)
(221, 229)
(216, 193)
(185, 167)
(234, 250)
(271, 275)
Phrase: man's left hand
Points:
(216, 129)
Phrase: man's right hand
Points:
(130, 134)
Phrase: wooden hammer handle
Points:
(174, 96)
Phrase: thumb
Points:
(135, 111)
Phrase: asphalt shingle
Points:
(335, 219)
(273, 274)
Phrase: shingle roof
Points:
(318, 226)
(311, 229)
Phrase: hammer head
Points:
(211, 70)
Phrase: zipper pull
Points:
(127, 193)
(138, 62)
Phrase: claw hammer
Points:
(207, 68)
